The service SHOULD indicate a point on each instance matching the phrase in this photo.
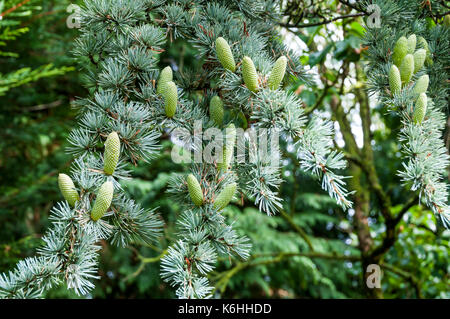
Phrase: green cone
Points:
(395, 82)
(68, 189)
(216, 110)
(230, 134)
(227, 155)
(228, 149)
(195, 190)
(225, 196)
(277, 74)
(103, 201)
(225, 55)
(420, 109)
(171, 98)
(112, 153)
(249, 74)
(412, 41)
(164, 77)
(424, 45)
(407, 68)
(421, 85)
(419, 59)
(400, 51)
(447, 21)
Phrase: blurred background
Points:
(38, 81)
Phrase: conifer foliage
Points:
(421, 50)
(245, 68)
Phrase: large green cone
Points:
(171, 99)
(249, 74)
(216, 111)
(68, 189)
(420, 109)
(277, 74)
(225, 196)
(225, 55)
(112, 153)
(400, 50)
(103, 201)
(195, 190)
(395, 82)
(165, 76)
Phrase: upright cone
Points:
(225, 196)
(412, 41)
(112, 153)
(419, 59)
(421, 85)
(171, 99)
(228, 149)
(195, 190)
(225, 55)
(67, 189)
(400, 50)
(420, 109)
(447, 21)
(216, 110)
(165, 76)
(407, 68)
(249, 74)
(424, 45)
(103, 201)
(277, 74)
(227, 155)
(395, 82)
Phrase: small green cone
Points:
(412, 42)
(395, 82)
(171, 98)
(424, 45)
(216, 110)
(225, 55)
(407, 68)
(400, 51)
(227, 155)
(277, 74)
(230, 135)
(195, 190)
(165, 76)
(103, 201)
(68, 189)
(249, 74)
(420, 109)
(222, 164)
(447, 21)
(230, 141)
(421, 85)
(228, 149)
(112, 153)
(419, 59)
(225, 196)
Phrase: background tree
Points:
(37, 83)
(282, 264)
